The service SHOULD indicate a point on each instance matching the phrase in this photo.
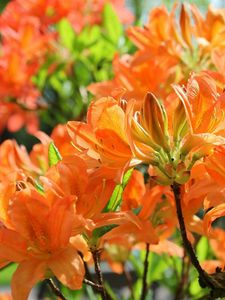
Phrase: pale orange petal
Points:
(26, 276)
(68, 268)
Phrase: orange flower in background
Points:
(79, 13)
(14, 158)
(5, 296)
(169, 48)
(28, 38)
(22, 53)
(136, 78)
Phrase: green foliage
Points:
(111, 24)
(53, 155)
(39, 187)
(202, 249)
(67, 35)
(116, 197)
(79, 59)
(6, 274)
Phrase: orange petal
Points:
(68, 268)
(26, 276)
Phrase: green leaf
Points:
(53, 155)
(110, 291)
(91, 295)
(7, 273)
(126, 177)
(67, 35)
(195, 288)
(202, 249)
(99, 232)
(111, 23)
(39, 187)
(116, 198)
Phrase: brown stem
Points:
(144, 279)
(96, 258)
(93, 284)
(55, 289)
(129, 281)
(203, 276)
(184, 277)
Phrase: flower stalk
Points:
(203, 276)
(96, 258)
(55, 289)
(145, 273)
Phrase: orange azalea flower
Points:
(159, 207)
(169, 48)
(92, 194)
(136, 78)
(5, 296)
(84, 13)
(212, 215)
(15, 158)
(201, 191)
(62, 141)
(103, 141)
(173, 145)
(217, 242)
(80, 13)
(133, 192)
(215, 164)
(14, 117)
(155, 220)
(38, 236)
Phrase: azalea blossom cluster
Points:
(169, 47)
(58, 208)
(147, 163)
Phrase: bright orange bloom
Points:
(173, 140)
(103, 141)
(201, 191)
(135, 78)
(133, 192)
(155, 220)
(38, 236)
(215, 164)
(15, 158)
(170, 46)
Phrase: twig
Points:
(93, 284)
(183, 279)
(55, 289)
(129, 281)
(144, 279)
(96, 258)
(203, 276)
